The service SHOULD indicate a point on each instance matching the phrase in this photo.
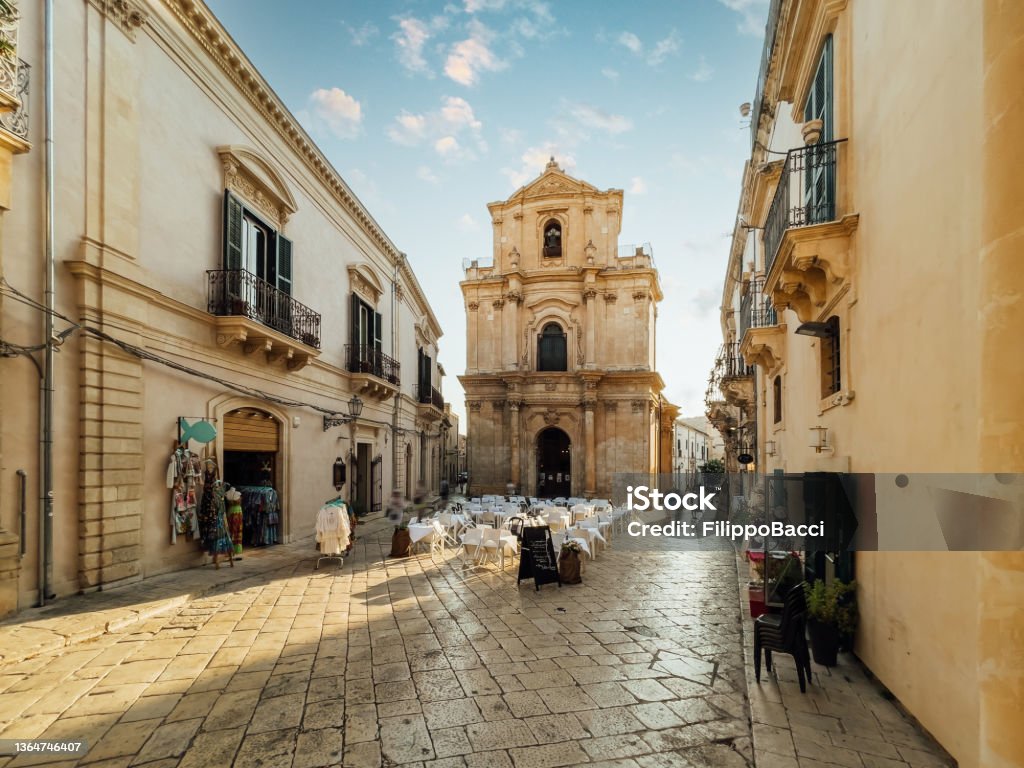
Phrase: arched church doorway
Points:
(553, 463)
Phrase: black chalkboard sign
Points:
(537, 560)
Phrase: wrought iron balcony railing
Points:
(364, 358)
(430, 396)
(15, 122)
(730, 363)
(806, 194)
(239, 293)
(756, 310)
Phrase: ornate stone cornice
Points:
(196, 19)
(124, 14)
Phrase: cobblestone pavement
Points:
(412, 662)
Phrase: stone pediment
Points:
(363, 279)
(554, 181)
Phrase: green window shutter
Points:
(354, 330)
(284, 264)
(232, 232)
(378, 332)
(819, 98)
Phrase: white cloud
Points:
(510, 136)
(753, 15)
(469, 57)
(447, 146)
(362, 34)
(535, 159)
(474, 6)
(663, 48)
(444, 126)
(632, 42)
(653, 55)
(589, 116)
(423, 173)
(610, 73)
(467, 223)
(336, 111)
(412, 37)
(703, 72)
(638, 186)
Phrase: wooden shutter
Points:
(284, 264)
(354, 330)
(232, 232)
(378, 332)
(819, 98)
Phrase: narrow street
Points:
(411, 662)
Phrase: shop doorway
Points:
(361, 483)
(554, 463)
(252, 464)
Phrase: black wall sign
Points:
(537, 560)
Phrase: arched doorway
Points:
(554, 463)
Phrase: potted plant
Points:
(569, 562)
(831, 616)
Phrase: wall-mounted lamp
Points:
(355, 407)
(820, 439)
(338, 473)
(818, 330)
(769, 447)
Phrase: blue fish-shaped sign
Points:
(200, 431)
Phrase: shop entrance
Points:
(554, 461)
(361, 483)
(252, 464)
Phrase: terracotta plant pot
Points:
(401, 543)
(756, 596)
(569, 568)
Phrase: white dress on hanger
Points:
(332, 529)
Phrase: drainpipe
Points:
(46, 384)
(395, 352)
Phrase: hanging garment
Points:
(183, 478)
(213, 521)
(260, 515)
(332, 529)
(234, 505)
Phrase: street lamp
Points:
(355, 407)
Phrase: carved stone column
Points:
(472, 315)
(590, 446)
(589, 296)
(515, 458)
(510, 330)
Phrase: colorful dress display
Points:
(235, 517)
(213, 520)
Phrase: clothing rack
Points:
(335, 502)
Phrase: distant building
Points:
(561, 385)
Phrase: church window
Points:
(551, 349)
(552, 239)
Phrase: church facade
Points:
(561, 386)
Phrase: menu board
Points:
(537, 560)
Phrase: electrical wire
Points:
(143, 354)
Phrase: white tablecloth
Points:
(421, 532)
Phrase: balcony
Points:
(762, 339)
(257, 316)
(806, 234)
(431, 402)
(376, 374)
(14, 82)
(736, 377)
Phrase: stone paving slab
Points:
(77, 618)
(846, 717)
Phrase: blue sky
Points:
(430, 110)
